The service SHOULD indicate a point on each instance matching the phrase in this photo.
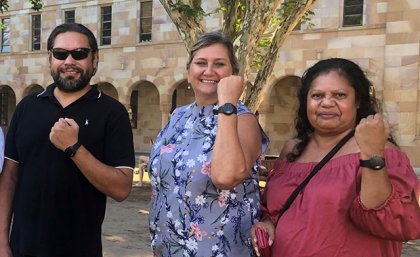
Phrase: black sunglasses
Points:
(77, 54)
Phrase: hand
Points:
(371, 135)
(64, 133)
(230, 89)
(143, 160)
(268, 226)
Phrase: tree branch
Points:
(189, 25)
(257, 17)
(254, 98)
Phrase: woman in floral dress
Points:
(204, 163)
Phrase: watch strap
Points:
(71, 150)
(374, 163)
(227, 108)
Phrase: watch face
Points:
(377, 162)
(227, 109)
(70, 152)
(374, 163)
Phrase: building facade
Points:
(142, 60)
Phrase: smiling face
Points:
(208, 66)
(331, 104)
(72, 75)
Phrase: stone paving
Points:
(411, 249)
(126, 234)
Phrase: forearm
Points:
(8, 180)
(113, 182)
(371, 136)
(375, 188)
(375, 185)
(228, 166)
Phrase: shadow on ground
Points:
(126, 229)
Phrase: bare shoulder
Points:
(391, 145)
(288, 147)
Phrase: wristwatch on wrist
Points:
(227, 109)
(374, 163)
(71, 150)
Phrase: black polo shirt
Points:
(56, 211)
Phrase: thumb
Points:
(71, 122)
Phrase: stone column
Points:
(401, 80)
(165, 107)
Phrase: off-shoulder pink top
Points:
(327, 218)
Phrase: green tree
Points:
(35, 5)
(258, 28)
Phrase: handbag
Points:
(261, 234)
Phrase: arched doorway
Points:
(108, 89)
(145, 114)
(277, 113)
(182, 95)
(34, 88)
(7, 106)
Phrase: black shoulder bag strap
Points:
(299, 188)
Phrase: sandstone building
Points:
(142, 60)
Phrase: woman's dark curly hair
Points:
(366, 101)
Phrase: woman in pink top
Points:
(346, 209)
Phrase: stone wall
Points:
(386, 47)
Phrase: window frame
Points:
(350, 16)
(36, 32)
(106, 25)
(70, 19)
(5, 30)
(145, 36)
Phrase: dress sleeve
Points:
(242, 109)
(266, 211)
(398, 218)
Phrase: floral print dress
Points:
(189, 216)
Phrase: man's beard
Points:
(70, 83)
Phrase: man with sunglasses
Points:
(67, 149)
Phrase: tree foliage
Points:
(4, 6)
(257, 28)
(35, 5)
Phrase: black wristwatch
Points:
(227, 109)
(374, 163)
(71, 150)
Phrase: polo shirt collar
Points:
(92, 94)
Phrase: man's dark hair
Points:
(73, 27)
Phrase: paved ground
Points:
(126, 234)
(125, 229)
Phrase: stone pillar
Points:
(401, 73)
(402, 76)
(165, 107)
